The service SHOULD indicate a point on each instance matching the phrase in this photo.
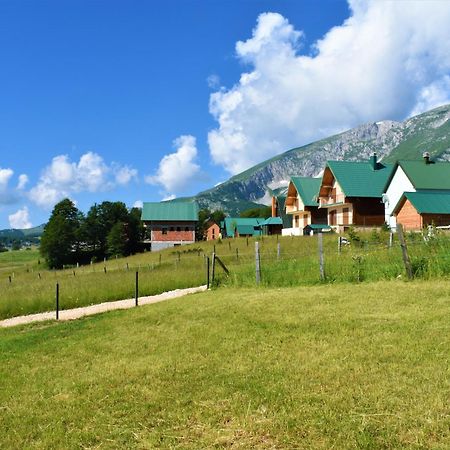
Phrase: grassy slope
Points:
(362, 366)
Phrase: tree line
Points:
(108, 229)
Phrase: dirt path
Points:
(76, 313)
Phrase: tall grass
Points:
(367, 258)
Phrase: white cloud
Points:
(138, 204)
(20, 219)
(169, 197)
(7, 194)
(125, 174)
(177, 171)
(5, 175)
(213, 81)
(23, 181)
(64, 177)
(386, 61)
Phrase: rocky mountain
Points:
(391, 140)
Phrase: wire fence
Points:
(266, 262)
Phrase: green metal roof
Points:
(360, 179)
(240, 224)
(429, 202)
(427, 176)
(173, 211)
(308, 189)
(316, 226)
(273, 221)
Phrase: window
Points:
(164, 230)
(178, 228)
(171, 229)
(186, 229)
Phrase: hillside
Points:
(27, 234)
(429, 131)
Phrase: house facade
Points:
(413, 176)
(351, 193)
(417, 210)
(169, 224)
(302, 205)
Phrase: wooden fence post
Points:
(136, 289)
(339, 244)
(213, 267)
(257, 263)
(321, 262)
(207, 272)
(391, 239)
(405, 255)
(57, 301)
(237, 254)
(278, 250)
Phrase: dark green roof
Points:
(308, 189)
(429, 202)
(173, 211)
(427, 176)
(360, 179)
(244, 225)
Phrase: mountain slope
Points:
(391, 140)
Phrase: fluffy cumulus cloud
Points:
(20, 219)
(8, 194)
(64, 177)
(386, 61)
(177, 171)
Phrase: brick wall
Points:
(212, 232)
(409, 217)
(157, 235)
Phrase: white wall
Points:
(400, 183)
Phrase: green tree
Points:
(263, 212)
(117, 240)
(60, 242)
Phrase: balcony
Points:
(330, 201)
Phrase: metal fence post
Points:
(57, 301)
(136, 289)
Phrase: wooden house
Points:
(168, 224)
(414, 176)
(242, 227)
(351, 193)
(302, 205)
(417, 210)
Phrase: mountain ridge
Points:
(392, 140)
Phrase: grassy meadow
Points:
(26, 287)
(348, 366)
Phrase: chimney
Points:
(373, 161)
(426, 158)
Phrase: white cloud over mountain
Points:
(20, 219)
(64, 177)
(178, 170)
(386, 61)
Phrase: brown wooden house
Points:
(351, 193)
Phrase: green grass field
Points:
(334, 366)
(32, 288)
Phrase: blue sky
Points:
(140, 101)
